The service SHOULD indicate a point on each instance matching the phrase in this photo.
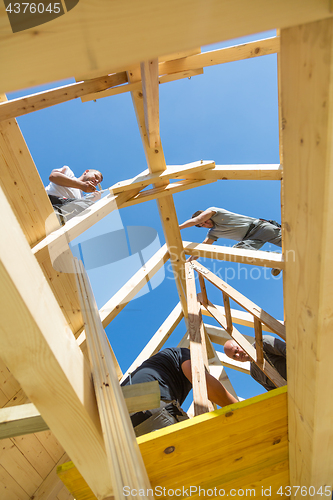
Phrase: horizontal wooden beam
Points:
(41, 100)
(20, 420)
(28, 304)
(137, 86)
(45, 57)
(240, 172)
(239, 255)
(172, 172)
(26, 419)
(228, 54)
(113, 307)
(219, 336)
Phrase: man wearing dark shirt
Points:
(172, 369)
(274, 353)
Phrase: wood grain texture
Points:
(307, 117)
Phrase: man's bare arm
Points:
(207, 214)
(59, 178)
(216, 391)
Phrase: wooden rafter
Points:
(27, 303)
(149, 75)
(230, 254)
(124, 459)
(156, 163)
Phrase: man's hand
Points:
(87, 186)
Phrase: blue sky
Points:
(228, 115)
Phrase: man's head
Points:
(233, 351)
(208, 223)
(92, 175)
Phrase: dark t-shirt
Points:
(165, 367)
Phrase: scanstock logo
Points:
(25, 15)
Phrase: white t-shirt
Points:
(228, 224)
(62, 191)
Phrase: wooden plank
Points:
(19, 420)
(137, 86)
(143, 396)
(149, 75)
(27, 302)
(22, 184)
(162, 191)
(172, 172)
(35, 453)
(18, 467)
(158, 339)
(306, 78)
(243, 301)
(51, 485)
(200, 395)
(258, 336)
(239, 317)
(269, 371)
(9, 488)
(120, 299)
(227, 311)
(219, 335)
(241, 172)
(243, 462)
(235, 365)
(228, 54)
(51, 444)
(124, 459)
(121, 46)
(230, 254)
(156, 163)
(41, 100)
(75, 483)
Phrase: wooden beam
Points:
(230, 254)
(28, 304)
(218, 335)
(172, 172)
(20, 420)
(56, 242)
(158, 339)
(26, 419)
(113, 307)
(124, 458)
(240, 317)
(307, 78)
(235, 365)
(149, 75)
(228, 54)
(137, 86)
(41, 100)
(197, 345)
(243, 301)
(156, 163)
(162, 191)
(240, 172)
(123, 46)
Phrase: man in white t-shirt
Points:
(64, 184)
(66, 191)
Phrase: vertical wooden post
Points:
(124, 457)
(200, 396)
(258, 336)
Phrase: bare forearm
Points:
(63, 180)
(187, 223)
(218, 393)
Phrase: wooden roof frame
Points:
(305, 87)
